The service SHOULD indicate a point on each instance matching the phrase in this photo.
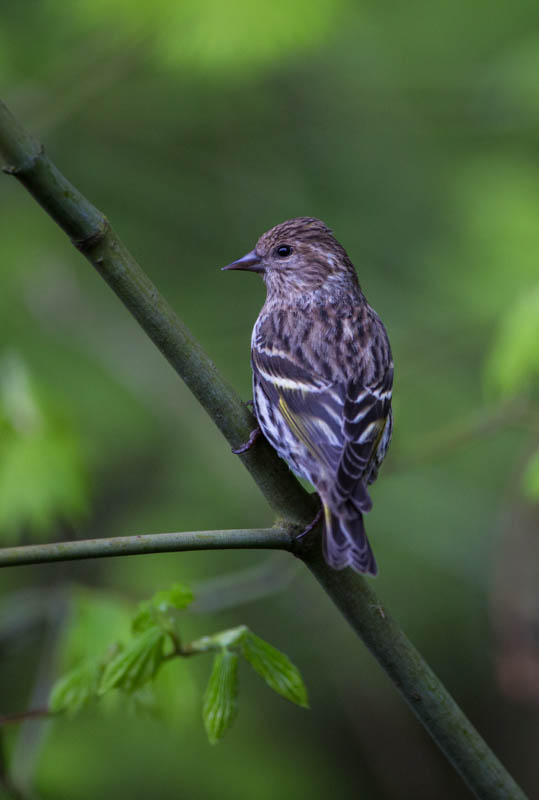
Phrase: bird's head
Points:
(300, 255)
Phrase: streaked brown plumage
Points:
(322, 377)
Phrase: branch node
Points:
(26, 166)
(93, 239)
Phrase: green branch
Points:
(414, 679)
(255, 538)
(91, 233)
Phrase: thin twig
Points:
(278, 538)
(24, 716)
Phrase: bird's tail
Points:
(346, 543)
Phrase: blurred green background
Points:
(413, 131)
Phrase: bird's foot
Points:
(311, 525)
(249, 443)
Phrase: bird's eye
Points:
(283, 251)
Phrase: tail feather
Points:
(346, 543)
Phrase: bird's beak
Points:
(250, 262)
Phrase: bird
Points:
(322, 377)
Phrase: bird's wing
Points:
(366, 429)
(343, 426)
(311, 406)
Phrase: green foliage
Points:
(221, 697)
(130, 666)
(75, 689)
(136, 664)
(513, 365)
(276, 669)
(42, 475)
(220, 703)
(272, 665)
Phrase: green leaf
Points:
(276, 669)
(221, 697)
(75, 689)
(137, 664)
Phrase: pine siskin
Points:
(322, 377)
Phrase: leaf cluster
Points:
(155, 638)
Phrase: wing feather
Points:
(366, 415)
(310, 405)
(343, 426)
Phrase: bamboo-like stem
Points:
(91, 233)
(278, 538)
(421, 688)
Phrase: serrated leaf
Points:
(137, 664)
(221, 697)
(277, 670)
(75, 689)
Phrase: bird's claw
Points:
(311, 525)
(249, 443)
